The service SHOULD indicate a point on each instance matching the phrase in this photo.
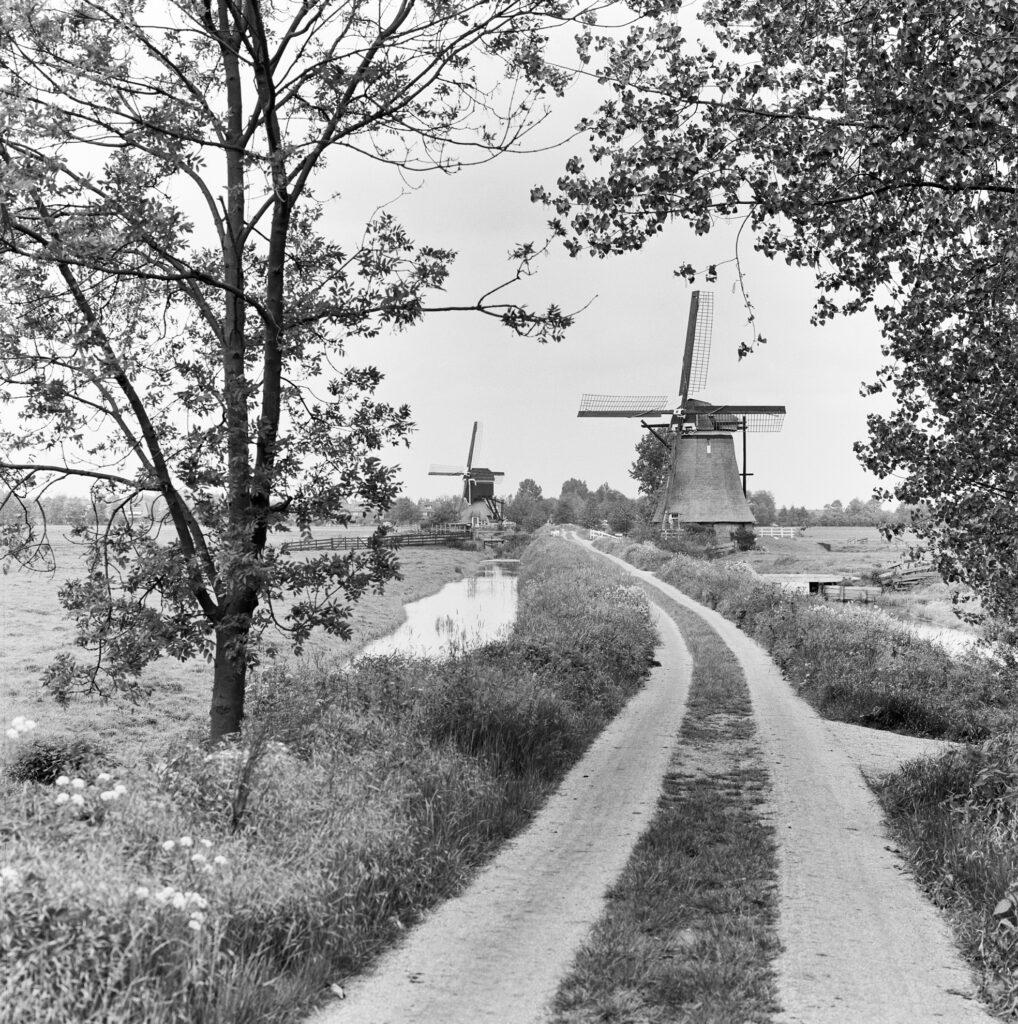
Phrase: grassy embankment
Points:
(851, 665)
(690, 930)
(34, 629)
(956, 816)
(355, 800)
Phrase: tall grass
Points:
(850, 664)
(233, 885)
(956, 818)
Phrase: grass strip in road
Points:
(956, 820)
(850, 664)
(690, 930)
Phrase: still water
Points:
(460, 616)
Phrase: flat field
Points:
(852, 550)
(34, 628)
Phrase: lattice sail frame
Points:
(702, 328)
(625, 405)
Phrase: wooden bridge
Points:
(437, 537)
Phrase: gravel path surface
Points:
(498, 952)
(861, 944)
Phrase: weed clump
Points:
(44, 760)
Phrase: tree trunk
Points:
(229, 680)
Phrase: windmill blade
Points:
(625, 405)
(757, 419)
(696, 354)
(475, 436)
(445, 471)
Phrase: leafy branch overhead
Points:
(176, 313)
(876, 145)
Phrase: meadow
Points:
(34, 629)
(235, 885)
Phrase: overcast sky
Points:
(456, 368)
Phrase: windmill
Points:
(703, 481)
(481, 507)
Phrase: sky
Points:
(456, 368)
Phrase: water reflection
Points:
(460, 616)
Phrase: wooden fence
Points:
(414, 539)
(907, 574)
(777, 531)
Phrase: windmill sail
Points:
(696, 355)
(474, 440)
(624, 405)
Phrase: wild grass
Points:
(690, 930)
(234, 885)
(851, 665)
(956, 819)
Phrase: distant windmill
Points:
(702, 486)
(481, 506)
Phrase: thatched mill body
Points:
(480, 508)
(704, 486)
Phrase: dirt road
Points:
(498, 952)
(861, 944)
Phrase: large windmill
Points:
(703, 484)
(481, 507)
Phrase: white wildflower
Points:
(10, 878)
(165, 894)
(107, 795)
(103, 777)
(78, 800)
(198, 858)
(186, 841)
(13, 734)
(179, 900)
(62, 780)
(169, 844)
(78, 783)
(142, 892)
(62, 798)
(120, 789)
(207, 843)
(220, 860)
(194, 924)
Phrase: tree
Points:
(443, 511)
(174, 313)
(877, 145)
(575, 486)
(621, 515)
(528, 508)
(404, 512)
(650, 470)
(761, 504)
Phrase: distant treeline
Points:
(600, 508)
(605, 507)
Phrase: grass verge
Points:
(851, 665)
(233, 885)
(956, 819)
(690, 930)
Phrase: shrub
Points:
(43, 760)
